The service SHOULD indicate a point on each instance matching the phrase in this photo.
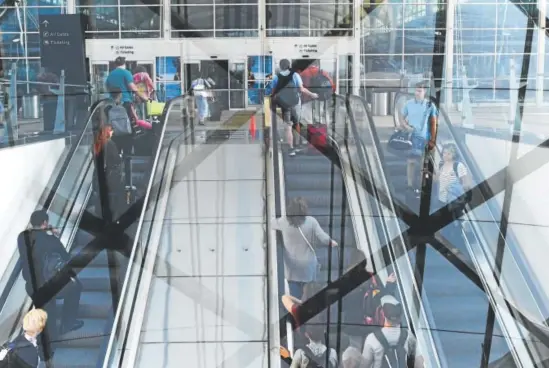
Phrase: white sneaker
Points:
(292, 153)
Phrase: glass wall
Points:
(209, 18)
(489, 37)
(20, 37)
(122, 18)
(313, 18)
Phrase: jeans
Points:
(296, 288)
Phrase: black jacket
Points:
(33, 246)
(23, 354)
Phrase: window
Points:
(225, 18)
(308, 19)
(122, 18)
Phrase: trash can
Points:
(392, 96)
(31, 107)
(380, 105)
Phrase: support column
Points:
(167, 21)
(448, 82)
(71, 7)
(540, 61)
(357, 29)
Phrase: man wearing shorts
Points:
(290, 114)
(420, 117)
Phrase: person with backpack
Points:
(320, 82)
(391, 346)
(314, 354)
(287, 88)
(419, 117)
(26, 351)
(43, 259)
(453, 180)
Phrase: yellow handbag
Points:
(155, 108)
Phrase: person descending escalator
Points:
(108, 183)
(44, 259)
(26, 350)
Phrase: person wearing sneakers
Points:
(420, 117)
(287, 88)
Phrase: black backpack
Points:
(394, 356)
(286, 91)
(316, 361)
(321, 85)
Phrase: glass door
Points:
(237, 84)
(99, 74)
(218, 71)
(260, 73)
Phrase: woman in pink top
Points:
(145, 85)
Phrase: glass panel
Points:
(382, 16)
(192, 2)
(345, 66)
(32, 15)
(193, 18)
(140, 2)
(102, 35)
(10, 22)
(287, 16)
(141, 18)
(237, 99)
(236, 17)
(98, 3)
(101, 19)
(328, 17)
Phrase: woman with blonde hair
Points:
(302, 234)
(26, 351)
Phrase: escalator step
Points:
(93, 304)
(313, 182)
(90, 335)
(95, 278)
(70, 357)
(318, 198)
(318, 166)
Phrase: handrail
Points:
(49, 199)
(278, 193)
(409, 299)
(124, 293)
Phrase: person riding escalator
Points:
(108, 182)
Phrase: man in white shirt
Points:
(373, 351)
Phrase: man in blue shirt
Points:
(420, 117)
(287, 88)
(121, 80)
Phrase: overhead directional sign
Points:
(63, 47)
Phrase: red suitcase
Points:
(317, 135)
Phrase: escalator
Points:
(100, 265)
(458, 288)
(317, 178)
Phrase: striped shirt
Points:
(447, 177)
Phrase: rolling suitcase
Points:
(317, 133)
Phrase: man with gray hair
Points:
(352, 358)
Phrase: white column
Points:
(448, 84)
(71, 7)
(167, 21)
(540, 52)
(357, 33)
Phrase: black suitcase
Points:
(144, 144)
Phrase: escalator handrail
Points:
(124, 292)
(49, 199)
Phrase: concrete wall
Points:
(26, 172)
